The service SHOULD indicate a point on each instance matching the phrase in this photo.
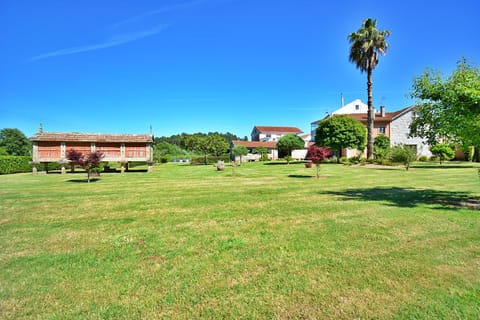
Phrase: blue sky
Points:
(212, 65)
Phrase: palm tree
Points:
(367, 43)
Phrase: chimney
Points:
(382, 111)
(343, 101)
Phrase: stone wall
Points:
(399, 129)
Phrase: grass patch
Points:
(261, 241)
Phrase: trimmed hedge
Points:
(210, 159)
(19, 164)
(15, 164)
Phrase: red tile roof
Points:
(389, 116)
(92, 137)
(256, 144)
(263, 129)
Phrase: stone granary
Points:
(50, 147)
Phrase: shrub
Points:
(210, 159)
(381, 147)
(357, 160)
(15, 164)
(166, 158)
(343, 160)
(288, 159)
(443, 151)
(403, 154)
(423, 158)
(433, 158)
(386, 162)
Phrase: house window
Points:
(381, 130)
(357, 107)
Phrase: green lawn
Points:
(268, 241)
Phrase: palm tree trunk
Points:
(370, 116)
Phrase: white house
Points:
(354, 107)
(395, 125)
(269, 133)
(400, 128)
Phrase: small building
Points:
(271, 146)
(51, 147)
(269, 133)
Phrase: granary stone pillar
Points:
(150, 166)
(63, 162)
(34, 167)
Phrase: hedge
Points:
(15, 164)
(210, 159)
(19, 164)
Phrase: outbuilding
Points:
(49, 147)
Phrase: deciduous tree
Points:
(403, 154)
(14, 142)
(317, 154)
(74, 156)
(448, 109)
(288, 143)
(339, 132)
(89, 161)
(443, 151)
(239, 151)
(262, 151)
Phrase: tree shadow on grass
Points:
(410, 198)
(284, 163)
(83, 180)
(300, 176)
(439, 166)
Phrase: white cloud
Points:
(112, 42)
(179, 6)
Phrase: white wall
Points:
(272, 137)
(352, 108)
(299, 154)
(399, 130)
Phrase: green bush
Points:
(264, 157)
(344, 160)
(357, 160)
(381, 147)
(15, 164)
(423, 158)
(433, 158)
(386, 162)
(443, 151)
(166, 158)
(210, 159)
(403, 154)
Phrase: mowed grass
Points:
(265, 241)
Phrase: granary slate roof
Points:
(91, 137)
(389, 116)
